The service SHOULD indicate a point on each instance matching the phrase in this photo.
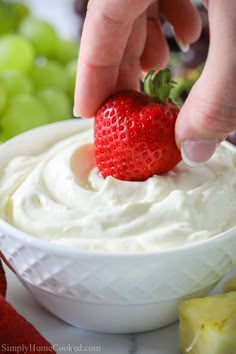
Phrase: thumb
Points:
(209, 113)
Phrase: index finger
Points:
(105, 35)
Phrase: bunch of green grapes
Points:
(37, 71)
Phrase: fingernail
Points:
(184, 47)
(196, 152)
(75, 114)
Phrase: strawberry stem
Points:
(159, 85)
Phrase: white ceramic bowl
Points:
(116, 293)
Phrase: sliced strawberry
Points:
(16, 332)
(134, 133)
(3, 281)
(6, 262)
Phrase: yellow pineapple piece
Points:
(230, 284)
(208, 325)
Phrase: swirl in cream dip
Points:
(59, 196)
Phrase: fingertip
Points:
(156, 50)
(185, 19)
(75, 112)
(81, 107)
(93, 85)
(190, 32)
(182, 46)
(202, 122)
(84, 108)
(81, 111)
(197, 152)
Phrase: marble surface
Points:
(65, 337)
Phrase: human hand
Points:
(209, 113)
(104, 67)
(119, 37)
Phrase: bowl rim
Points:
(28, 239)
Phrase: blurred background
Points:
(39, 47)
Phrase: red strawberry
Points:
(15, 331)
(6, 262)
(3, 281)
(134, 132)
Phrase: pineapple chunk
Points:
(208, 325)
(230, 285)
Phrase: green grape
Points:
(1, 138)
(67, 50)
(7, 18)
(16, 53)
(20, 11)
(42, 35)
(56, 103)
(15, 83)
(48, 74)
(71, 69)
(23, 113)
(3, 99)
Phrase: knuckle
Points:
(111, 20)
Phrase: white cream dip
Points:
(44, 196)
